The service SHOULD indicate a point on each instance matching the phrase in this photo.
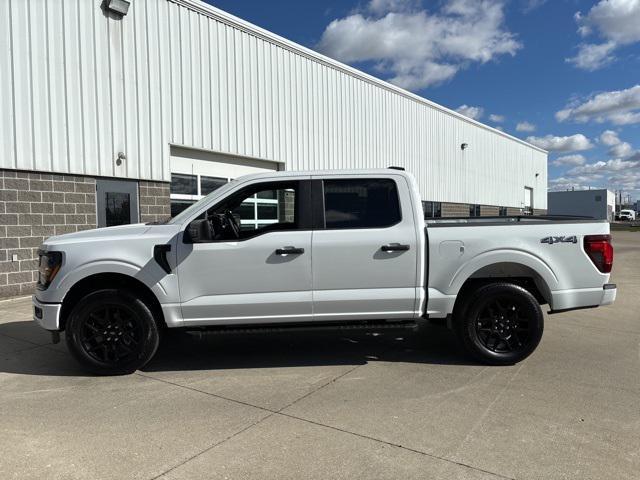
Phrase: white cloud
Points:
(417, 48)
(573, 143)
(609, 138)
(601, 167)
(525, 127)
(621, 150)
(496, 118)
(472, 112)
(530, 5)
(381, 7)
(625, 118)
(573, 183)
(593, 56)
(619, 107)
(572, 160)
(614, 21)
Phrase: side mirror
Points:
(200, 231)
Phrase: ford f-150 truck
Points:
(318, 249)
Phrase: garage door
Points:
(196, 173)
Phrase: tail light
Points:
(600, 251)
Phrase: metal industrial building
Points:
(109, 118)
(599, 204)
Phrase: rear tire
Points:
(499, 324)
(112, 332)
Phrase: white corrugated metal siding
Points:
(78, 86)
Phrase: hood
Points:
(120, 232)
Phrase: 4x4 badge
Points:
(552, 240)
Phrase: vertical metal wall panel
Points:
(81, 85)
(7, 117)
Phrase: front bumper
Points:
(47, 315)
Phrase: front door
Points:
(261, 275)
(117, 202)
(365, 251)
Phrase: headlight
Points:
(48, 267)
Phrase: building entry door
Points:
(528, 201)
(117, 202)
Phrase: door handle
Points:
(395, 247)
(289, 250)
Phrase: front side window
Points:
(361, 203)
(261, 208)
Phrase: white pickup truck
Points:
(336, 248)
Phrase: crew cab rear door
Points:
(364, 248)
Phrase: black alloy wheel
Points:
(112, 332)
(503, 325)
(500, 323)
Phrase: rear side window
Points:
(362, 203)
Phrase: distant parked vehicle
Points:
(627, 215)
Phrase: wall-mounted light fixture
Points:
(463, 146)
(118, 6)
(120, 158)
(537, 175)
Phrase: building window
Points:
(187, 189)
(184, 184)
(209, 184)
(474, 210)
(432, 209)
(503, 211)
(177, 206)
(370, 203)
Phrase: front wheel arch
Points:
(101, 281)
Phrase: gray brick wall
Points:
(513, 211)
(455, 210)
(154, 201)
(489, 211)
(286, 206)
(34, 206)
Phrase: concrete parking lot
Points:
(333, 405)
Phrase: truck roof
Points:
(297, 173)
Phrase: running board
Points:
(307, 327)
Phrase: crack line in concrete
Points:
(312, 422)
(271, 413)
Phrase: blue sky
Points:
(567, 71)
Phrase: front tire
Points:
(499, 324)
(112, 332)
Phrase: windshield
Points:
(189, 211)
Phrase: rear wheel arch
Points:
(110, 280)
(505, 272)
